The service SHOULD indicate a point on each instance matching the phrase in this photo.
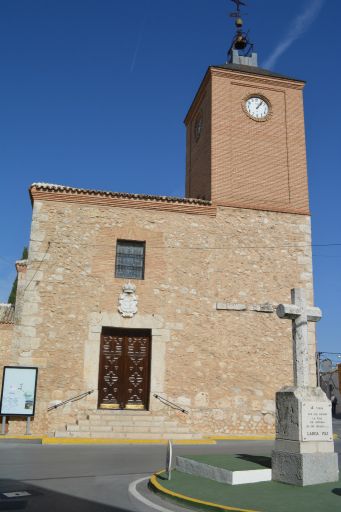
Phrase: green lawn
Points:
(261, 497)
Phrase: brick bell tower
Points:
(245, 135)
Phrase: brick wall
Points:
(259, 165)
(198, 155)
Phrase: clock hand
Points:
(259, 104)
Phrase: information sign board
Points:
(18, 394)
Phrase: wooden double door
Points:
(124, 369)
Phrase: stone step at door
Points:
(127, 436)
(127, 429)
(123, 424)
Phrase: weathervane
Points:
(241, 39)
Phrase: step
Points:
(175, 430)
(72, 428)
(126, 435)
(118, 413)
(144, 424)
(70, 434)
(124, 421)
(175, 436)
(118, 418)
(147, 426)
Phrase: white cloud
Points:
(298, 27)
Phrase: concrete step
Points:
(70, 434)
(126, 429)
(175, 436)
(124, 419)
(121, 424)
(127, 435)
(118, 413)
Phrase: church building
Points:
(164, 308)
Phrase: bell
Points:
(240, 42)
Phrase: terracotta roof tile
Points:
(48, 187)
(6, 314)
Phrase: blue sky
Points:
(93, 94)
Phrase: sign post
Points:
(169, 460)
(3, 426)
(18, 394)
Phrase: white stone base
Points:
(304, 448)
(303, 469)
(222, 475)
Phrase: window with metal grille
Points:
(130, 259)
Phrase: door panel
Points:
(111, 371)
(124, 372)
(137, 371)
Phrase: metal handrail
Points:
(170, 404)
(73, 399)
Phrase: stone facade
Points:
(6, 340)
(216, 267)
(224, 366)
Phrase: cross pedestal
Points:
(304, 448)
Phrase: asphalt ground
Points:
(92, 478)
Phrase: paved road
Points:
(92, 478)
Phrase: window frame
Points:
(141, 243)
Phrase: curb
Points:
(102, 441)
(209, 440)
(243, 438)
(187, 500)
(19, 437)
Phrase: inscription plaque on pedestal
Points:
(316, 422)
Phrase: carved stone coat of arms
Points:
(128, 300)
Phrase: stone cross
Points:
(300, 314)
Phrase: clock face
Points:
(257, 107)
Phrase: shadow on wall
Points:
(37, 499)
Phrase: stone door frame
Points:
(122, 362)
(159, 334)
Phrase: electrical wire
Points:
(40, 263)
(201, 248)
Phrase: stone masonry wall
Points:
(224, 366)
(6, 337)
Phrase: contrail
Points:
(139, 38)
(299, 25)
